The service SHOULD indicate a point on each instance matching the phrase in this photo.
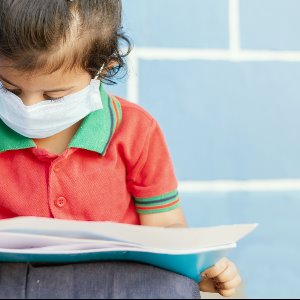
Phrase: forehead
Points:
(40, 78)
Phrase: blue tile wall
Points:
(226, 120)
(270, 24)
(177, 23)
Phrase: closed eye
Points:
(53, 98)
(17, 92)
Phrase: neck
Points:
(58, 143)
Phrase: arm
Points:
(223, 278)
(153, 185)
(173, 218)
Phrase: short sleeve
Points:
(152, 181)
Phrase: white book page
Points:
(38, 244)
(21, 241)
(159, 239)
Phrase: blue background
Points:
(226, 120)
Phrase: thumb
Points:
(208, 286)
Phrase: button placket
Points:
(57, 200)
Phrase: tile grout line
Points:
(234, 27)
(264, 185)
(133, 77)
(216, 55)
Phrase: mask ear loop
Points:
(99, 72)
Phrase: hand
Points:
(223, 278)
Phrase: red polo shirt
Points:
(116, 167)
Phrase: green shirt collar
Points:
(94, 134)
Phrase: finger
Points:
(227, 293)
(229, 274)
(232, 284)
(218, 269)
(207, 286)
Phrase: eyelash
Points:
(5, 90)
(54, 99)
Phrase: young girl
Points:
(69, 150)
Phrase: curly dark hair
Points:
(48, 35)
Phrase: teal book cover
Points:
(189, 265)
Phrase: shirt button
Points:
(56, 168)
(60, 202)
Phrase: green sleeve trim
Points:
(155, 211)
(162, 198)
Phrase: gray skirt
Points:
(105, 280)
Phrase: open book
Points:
(187, 251)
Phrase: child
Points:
(69, 150)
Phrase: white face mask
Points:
(47, 118)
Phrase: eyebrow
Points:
(50, 91)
